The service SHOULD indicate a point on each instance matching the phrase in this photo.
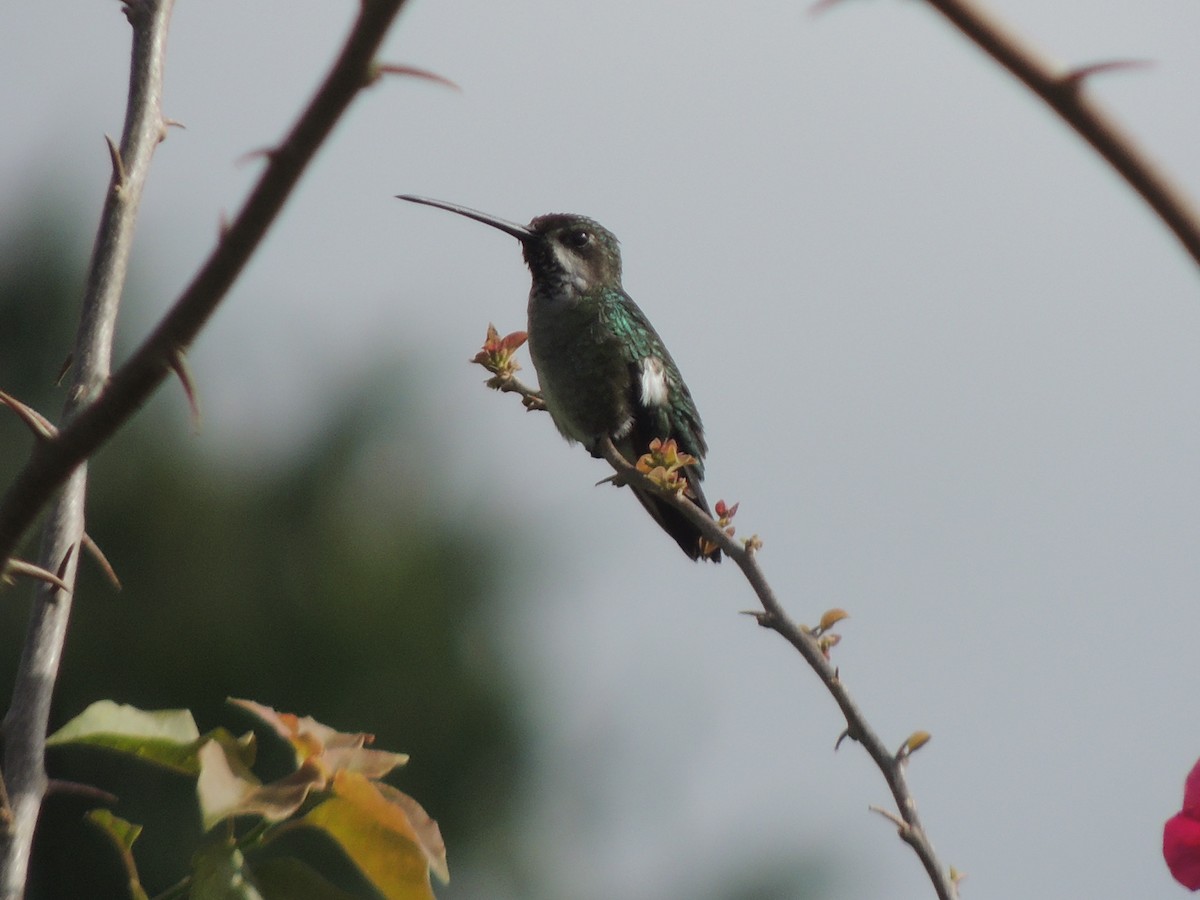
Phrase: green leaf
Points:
(219, 873)
(122, 834)
(166, 737)
(288, 878)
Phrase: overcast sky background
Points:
(947, 362)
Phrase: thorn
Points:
(97, 554)
(411, 71)
(19, 567)
(179, 367)
(41, 427)
(841, 737)
(891, 817)
(267, 153)
(1074, 78)
(66, 367)
(76, 789)
(616, 479)
(822, 6)
(173, 123)
(118, 166)
(66, 561)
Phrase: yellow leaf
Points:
(916, 741)
(379, 837)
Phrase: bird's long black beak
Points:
(520, 232)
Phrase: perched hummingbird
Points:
(602, 368)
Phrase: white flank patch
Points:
(654, 382)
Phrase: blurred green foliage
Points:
(310, 584)
(319, 583)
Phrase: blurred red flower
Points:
(1181, 835)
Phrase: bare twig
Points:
(29, 712)
(98, 406)
(1064, 92)
(510, 384)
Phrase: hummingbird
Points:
(602, 368)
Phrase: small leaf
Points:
(122, 834)
(227, 788)
(497, 354)
(333, 750)
(915, 742)
(832, 617)
(380, 837)
(166, 737)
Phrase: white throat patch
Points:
(572, 266)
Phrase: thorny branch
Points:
(807, 641)
(29, 711)
(132, 384)
(98, 406)
(1064, 92)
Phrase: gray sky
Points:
(947, 363)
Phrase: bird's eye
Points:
(577, 239)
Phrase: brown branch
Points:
(1064, 92)
(806, 641)
(132, 384)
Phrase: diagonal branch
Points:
(52, 461)
(29, 712)
(807, 641)
(98, 406)
(1064, 92)
(890, 763)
